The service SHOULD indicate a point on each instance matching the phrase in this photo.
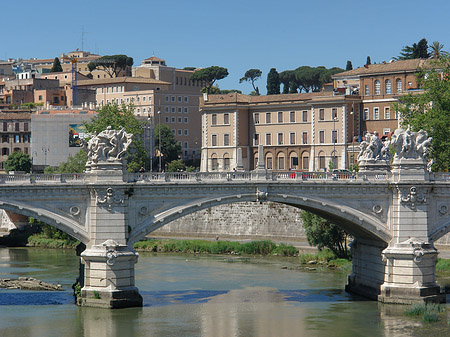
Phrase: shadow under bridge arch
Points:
(67, 225)
(355, 222)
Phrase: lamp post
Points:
(353, 138)
(150, 139)
(159, 143)
(335, 119)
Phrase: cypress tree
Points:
(56, 67)
(368, 61)
(349, 66)
(273, 82)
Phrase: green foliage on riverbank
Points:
(41, 240)
(326, 258)
(215, 247)
(428, 311)
(443, 265)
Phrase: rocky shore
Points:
(28, 283)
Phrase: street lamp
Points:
(353, 138)
(150, 139)
(159, 131)
(335, 119)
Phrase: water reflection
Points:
(187, 296)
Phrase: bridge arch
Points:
(352, 220)
(441, 229)
(60, 222)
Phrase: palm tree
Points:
(437, 50)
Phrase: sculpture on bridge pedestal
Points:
(374, 154)
(108, 146)
(410, 145)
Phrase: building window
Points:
(186, 145)
(305, 137)
(399, 85)
(376, 113)
(334, 113)
(214, 119)
(186, 132)
(167, 98)
(226, 164)
(321, 114)
(16, 127)
(387, 113)
(5, 126)
(292, 117)
(321, 136)
(167, 119)
(186, 119)
(180, 132)
(5, 151)
(173, 110)
(292, 138)
(5, 139)
(268, 139)
(269, 163)
(173, 98)
(322, 162)
(180, 119)
(377, 88)
(16, 138)
(256, 118)
(386, 131)
(213, 140)
(226, 139)
(186, 110)
(214, 164)
(366, 90)
(180, 98)
(305, 116)
(334, 136)
(180, 110)
(226, 119)
(173, 119)
(387, 85)
(185, 99)
(40, 97)
(256, 139)
(268, 118)
(366, 114)
(305, 163)
(281, 163)
(280, 117)
(280, 138)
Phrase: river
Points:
(187, 295)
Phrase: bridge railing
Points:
(439, 176)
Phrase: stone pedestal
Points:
(410, 273)
(406, 169)
(372, 165)
(109, 277)
(106, 172)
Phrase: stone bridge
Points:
(394, 216)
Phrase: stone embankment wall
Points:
(245, 219)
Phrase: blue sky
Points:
(238, 35)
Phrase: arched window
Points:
(377, 87)
(226, 162)
(214, 163)
(305, 160)
(269, 161)
(321, 160)
(399, 85)
(293, 161)
(280, 162)
(387, 86)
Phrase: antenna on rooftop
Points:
(82, 38)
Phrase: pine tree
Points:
(273, 82)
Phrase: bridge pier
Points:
(109, 277)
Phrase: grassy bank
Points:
(215, 247)
(326, 258)
(41, 240)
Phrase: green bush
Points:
(443, 265)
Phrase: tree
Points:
(349, 66)
(416, 51)
(286, 77)
(74, 164)
(252, 75)
(430, 110)
(368, 62)
(122, 116)
(18, 161)
(209, 75)
(170, 149)
(113, 65)
(176, 166)
(56, 67)
(436, 50)
(273, 82)
(323, 234)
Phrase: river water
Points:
(187, 295)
